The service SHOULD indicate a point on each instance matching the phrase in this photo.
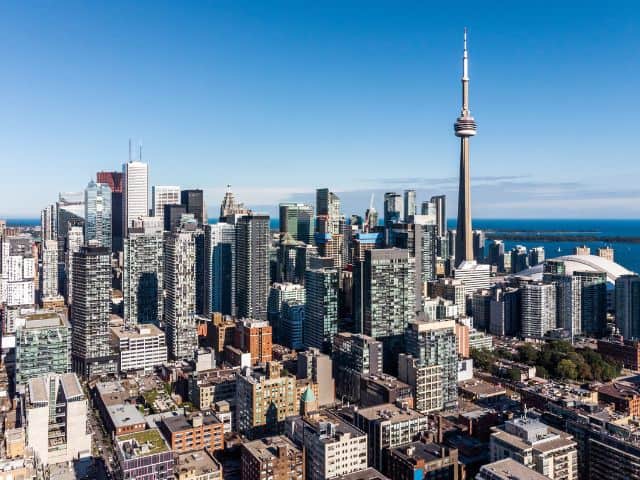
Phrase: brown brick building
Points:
(623, 395)
(276, 458)
(195, 433)
(254, 337)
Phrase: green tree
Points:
(567, 369)
(528, 354)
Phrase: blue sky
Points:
(278, 98)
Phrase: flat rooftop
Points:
(509, 469)
(366, 474)
(197, 463)
(318, 421)
(140, 331)
(388, 411)
(420, 451)
(481, 389)
(125, 415)
(47, 319)
(141, 444)
(266, 449)
(180, 423)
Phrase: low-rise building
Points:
(198, 465)
(622, 351)
(211, 386)
(124, 418)
(625, 397)
(419, 460)
(508, 469)
(383, 388)
(143, 455)
(366, 474)
(273, 458)
(195, 433)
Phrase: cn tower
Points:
(465, 127)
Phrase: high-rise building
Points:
(627, 292)
(426, 382)
(48, 223)
(230, 210)
(519, 259)
(296, 219)
(479, 241)
(393, 208)
(135, 192)
(256, 338)
(193, 200)
(321, 308)
(279, 295)
(180, 293)
(384, 299)
(434, 343)
(317, 367)
(481, 309)
(49, 273)
(172, 216)
(91, 308)
(142, 284)
(328, 209)
(473, 275)
(114, 180)
(440, 202)
(162, 195)
(465, 128)
(538, 304)
(220, 261)
(43, 345)
(422, 460)
(97, 215)
(75, 240)
(354, 355)
(536, 256)
(504, 316)
(409, 207)
(140, 348)
(495, 252)
(252, 265)
(56, 417)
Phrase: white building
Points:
(164, 195)
(49, 277)
(538, 301)
(473, 275)
(135, 192)
(56, 415)
(142, 347)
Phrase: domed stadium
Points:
(581, 263)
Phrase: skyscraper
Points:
(114, 180)
(75, 240)
(97, 214)
(135, 192)
(90, 313)
(409, 205)
(252, 266)
(193, 200)
(321, 308)
(628, 305)
(328, 212)
(49, 276)
(465, 128)
(49, 223)
(393, 208)
(296, 219)
(172, 215)
(142, 284)
(162, 195)
(538, 303)
(220, 248)
(440, 202)
(180, 289)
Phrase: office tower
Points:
(519, 259)
(317, 367)
(428, 209)
(332, 447)
(265, 396)
(354, 355)
(97, 215)
(536, 256)
(180, 293)
(409, 207)
(504, 316)
(321, 308)
(56, 417)
(479, 242)
(230, 210)
(91, 308)
(287, 258)
(114, 180)
(142, 284)
(465, 128)
(370, 217)
(627, 293)
(393, 206)
(254, 337)
(135, 192)
(43, 345)
(279, 295)
(75, 240)
(172, 215)
(49, 275)
(388, 426)
(548, 451)
(293, 325)
(481, 309)
(328, 218)
(296, 219)
(384, 299)
(162, 195)
(252, 265)
(452, 235)
(538, 303)
(440, 202)
(473, 275)
(495, 252)
(193, 200)
(48, 223)
(434, 343)
(220, 248)
(331, 246)
(273, 458)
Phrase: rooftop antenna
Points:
(129, 150)
(140, 153)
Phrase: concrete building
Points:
(143, 455)
(252, 266)
(279, 294)
(162, 195)
(504, 314)
(538, 309)
(321, 308)
(332, 446)
(198, 465)
(135, 189)
(43, 345)
(274, 458)
(421, 461)
(254, 337)
(384, 388)
(264, 398)
(508, 469)
(212, 386)
(180, 293)
(97, 215)
(296, 219)
(195, 433)
(141, 347)
(354, 355)
(529, 441)
(388, 426)
(474, 276)
(123, 418)
(91, 343)
(56, 416)
(426, 383)
(193, 200)
(49, 271)
(317, 367)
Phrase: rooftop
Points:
(180, 423)
(509, 469)
(140, 331)
(266, 449)
(48, 319)
(421, 451)
(125, 415)
(481, 389)
(388, 411)
(581, 263)
(197, 463)
(141, 444)
(330, 427)
(367, 474)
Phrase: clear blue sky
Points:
(278, 98)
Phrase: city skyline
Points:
(342, 88)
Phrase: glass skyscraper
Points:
(97, 213)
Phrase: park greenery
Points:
(556, 359)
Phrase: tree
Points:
(567, 369)
(528, 354)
